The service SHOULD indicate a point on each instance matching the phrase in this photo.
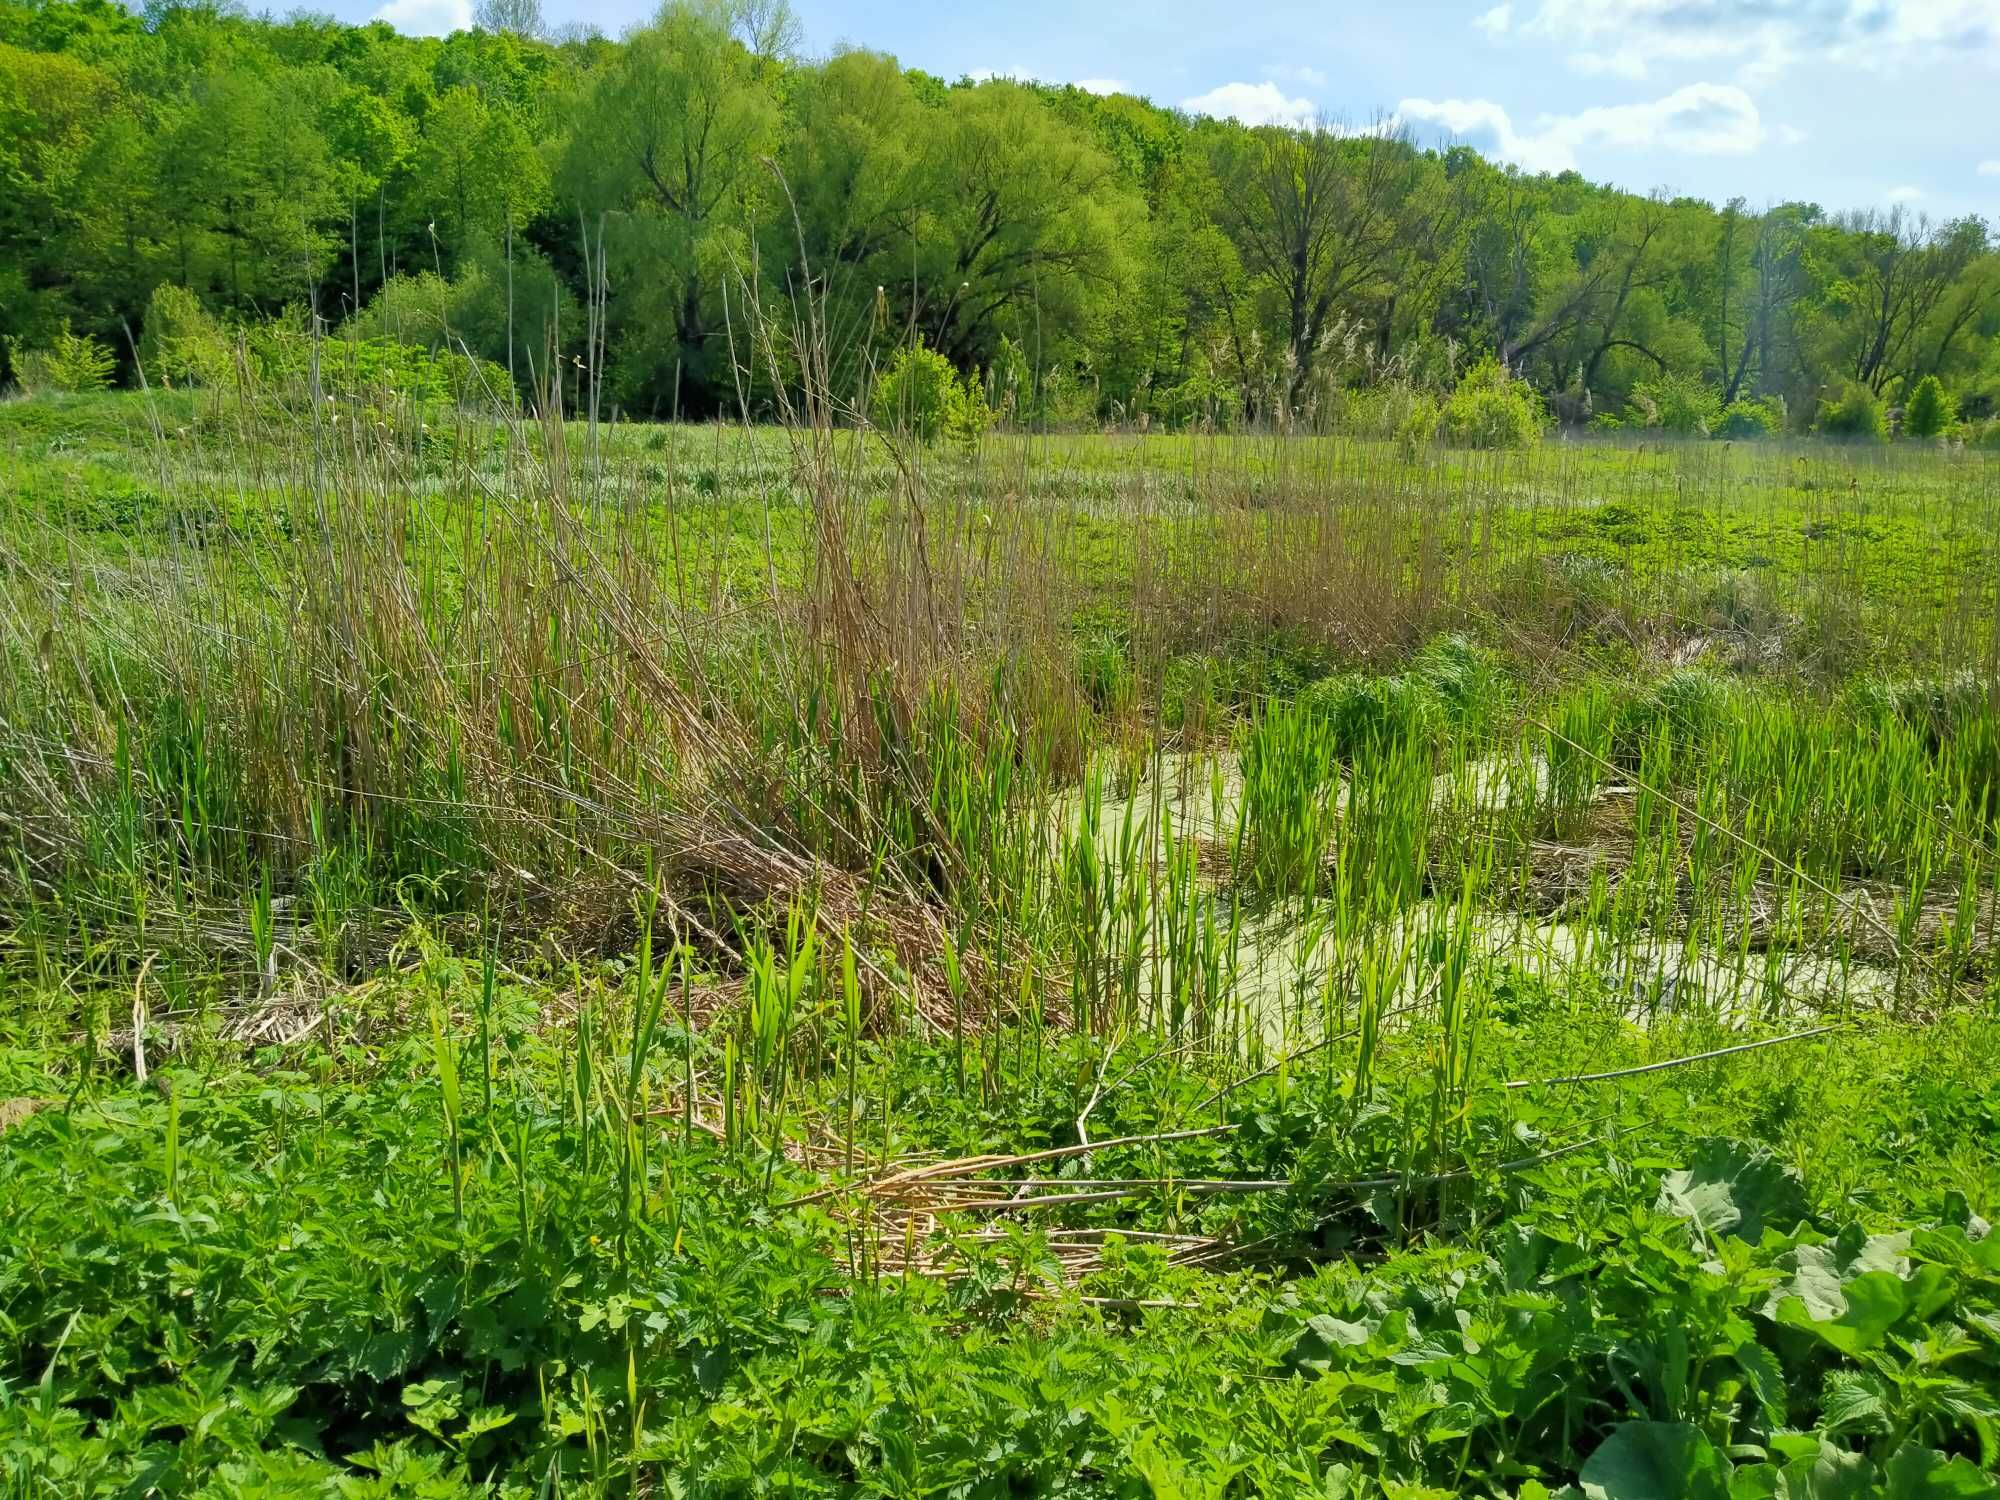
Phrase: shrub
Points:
(184, 343)
(1202, 397)
(410, 308)
(1930, 411)
(1855, 413)
(1679, 403)
(1491, 409)
(967, 418)
(72, 363)
(379, 374)
(1383, 410)
(1752, 419)
(920, 395)
(1419, 427)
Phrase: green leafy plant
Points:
(1679, 403)
(1753, 418)
(70, 364)
(920, 395)
(1929, 411)
(1491, 409)
(184, 343)
(1855, 412)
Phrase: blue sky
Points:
(1847, 103)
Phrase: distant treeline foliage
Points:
(633, 210)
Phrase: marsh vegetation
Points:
(1242, 813)
(570, 958)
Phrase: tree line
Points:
(636, 208)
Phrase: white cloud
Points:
(1763, 37)
(1989, 169)
(1104, 85)
(1621, 64)
(1703, 119)
(1791, 135)
(1477, 117)
(1298, 73)
(1904, 194)
(1253, 104)
(1496, 21)
(427, 17)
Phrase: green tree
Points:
(854, 181)
(51, 105)
(664, 165)
(1316, 215)
(476, 170)
(248, 194)
(1028, 230)
(1929, 410)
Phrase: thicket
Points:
(1095, 258)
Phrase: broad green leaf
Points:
(1319, 1343)
(1919, 1473)
(1656, 1461)
(1854, 1402)
(1874, 1303)
(1819, 1271)
(1765, 1377)
(1832, 1474)
(1730, 1189)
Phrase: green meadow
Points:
(544, 957)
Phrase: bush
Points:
(1930, 411)
(1679, 403)
(1491, 409)
(1855, 413)
(184, 343)
(73, 363)
(968, 417)
(377, 374)
(920, 396)
(1751, 419)
(1419, 427)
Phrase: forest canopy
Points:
(514, 192)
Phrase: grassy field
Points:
(598, 960)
